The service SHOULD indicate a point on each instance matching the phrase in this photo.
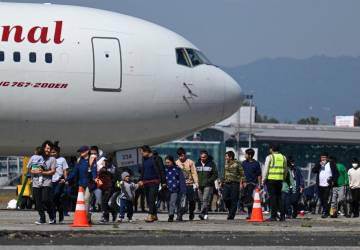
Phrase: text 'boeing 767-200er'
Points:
(89, 76)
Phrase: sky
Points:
(237, 32)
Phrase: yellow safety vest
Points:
(277, 167)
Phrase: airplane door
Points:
(107, 64)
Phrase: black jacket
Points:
(334, 172)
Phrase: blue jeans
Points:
(126, 206)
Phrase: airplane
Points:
(85, 76)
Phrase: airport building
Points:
(303, 142)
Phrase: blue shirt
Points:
(252, 171)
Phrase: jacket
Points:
(175, 180)
(334, 173)
(128, 190)
(233, 172)
(159, 168)
(294, 180)
(106, 178)
(81, 172)
(189, 170)
(207, 174)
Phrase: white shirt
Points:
(100, 164)
(61, 166)
(354, 177)
(325, 174)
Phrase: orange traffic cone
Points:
(80, 217)
(256, 215)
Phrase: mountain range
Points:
(289, 89)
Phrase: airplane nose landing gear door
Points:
(107, 64)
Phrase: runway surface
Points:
(17, 228)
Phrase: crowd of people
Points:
(183, 185)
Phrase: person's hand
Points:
(301, 190)
(66, 183)
(141, 184)
(62, 181)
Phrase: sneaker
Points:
(103, 221)
(120, 220)
(201, 217)
(52, 222)
(171, 218)
(129, 220)
(206, 217)
(324, 216)
(61, 221)
(40, 222)
(191, 216)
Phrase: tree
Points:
(265, 119)
(309, 121)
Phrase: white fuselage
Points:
(100, 78)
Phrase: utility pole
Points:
(250, 98)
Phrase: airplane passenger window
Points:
(181, 57)
(48, 58)
(16, 56)
(32, 57)
(2, 56)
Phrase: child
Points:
(36, 165)
(127, 196)
(176, 185)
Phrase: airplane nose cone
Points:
(232, 98)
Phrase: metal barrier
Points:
(10, 169)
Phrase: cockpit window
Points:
(203, 58)
(182, 58)
(197, 57)
(191, 57)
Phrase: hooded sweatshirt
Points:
(207, 173)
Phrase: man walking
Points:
(275, 171)
(207, 173)
(233, 179)
(191, 179)
(354, 182)
(327, 175)
(152, 175)
(252, 171)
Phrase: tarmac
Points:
(17, 229)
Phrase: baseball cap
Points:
(83, 149)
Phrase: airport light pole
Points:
(250, 98)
